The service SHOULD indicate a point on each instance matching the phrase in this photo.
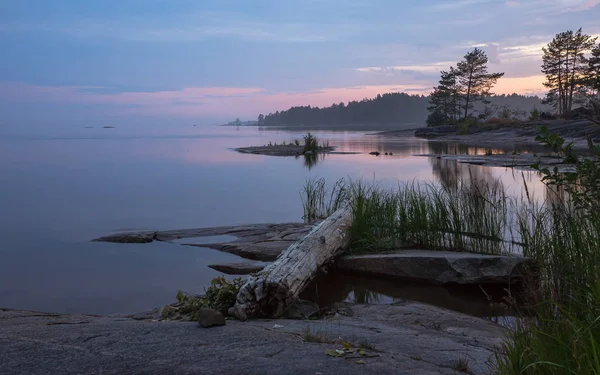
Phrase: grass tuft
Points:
(462, 365)
(315, 336)
(311, 143)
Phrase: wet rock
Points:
(242, 268)
(376, 153)
(210, 318)
(441, 267)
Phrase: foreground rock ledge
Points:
(409, 338)
(423, 266)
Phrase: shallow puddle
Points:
(481, 301)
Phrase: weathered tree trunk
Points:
(275, 288)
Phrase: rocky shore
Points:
(402, 338)
(507, 136)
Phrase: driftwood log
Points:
(277, 286)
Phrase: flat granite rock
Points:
(265, 251)
(440, 267)
(408, 338)
(263, 235)
(242, 268)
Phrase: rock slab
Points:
(441, 267)
(409, 338)
(210, 318)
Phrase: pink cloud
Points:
(589, 4)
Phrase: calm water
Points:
(58, 191)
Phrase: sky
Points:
(107, 62)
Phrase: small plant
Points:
(311, 143)
(220, 295)
(416, 357)
(535, 114)
(317, 336)
(489, 152)
(462, 365)
(270, 144)
(296, 142)
(366, 344)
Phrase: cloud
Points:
(552, 6)
(423, 68)
(455, 4)
(589, 4)
(193, 27)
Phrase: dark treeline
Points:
(391, 108)
(386, 108)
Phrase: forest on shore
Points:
(389, 108)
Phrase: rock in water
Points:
(210, 318)
(441, 267)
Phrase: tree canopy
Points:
(460, 88)
(565, 66)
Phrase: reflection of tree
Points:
(310, 160)
(451, 172)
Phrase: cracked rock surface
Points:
(404, 338)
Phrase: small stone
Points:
(210, 318)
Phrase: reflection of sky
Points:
(60, 190)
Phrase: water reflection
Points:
(58, 192)
(476, 300)
(310, 160)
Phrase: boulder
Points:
(242, 268)
(210, 318)
(441, 267)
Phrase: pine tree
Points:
(593, 71)
(474, 79)
(443, 102)
(566, 67)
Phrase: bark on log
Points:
(275, 288)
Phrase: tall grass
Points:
(472, 217)
(319, 202)
(563, 334)
(563, 337)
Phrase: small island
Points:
(311, 146)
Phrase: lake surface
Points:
(59, 191)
